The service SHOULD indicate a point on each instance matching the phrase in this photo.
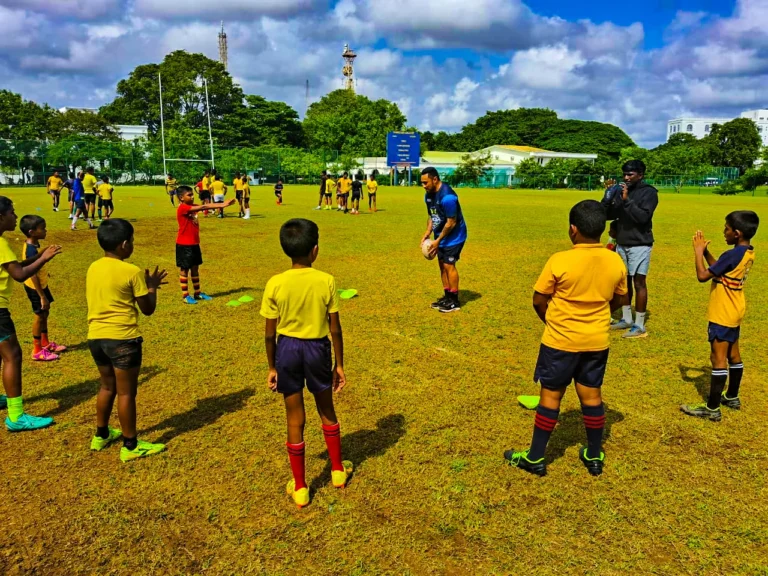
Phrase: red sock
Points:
(38, 346)
(44, 339)
(296, 457)
(332, 435)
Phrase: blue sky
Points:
(445, 62)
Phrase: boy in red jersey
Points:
(188, 254)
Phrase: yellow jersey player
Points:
(170, 187)
(246, 197)
(372, 187)
(726, 310)
(54, 186)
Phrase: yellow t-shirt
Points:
(111, 289)
(301, 300)
(30, 250)
(246, 190)
(105, 191)
(6, 282)
(206, 183)
(55, 183)
(238, 184)
(330, 186)
(727, 304)
(89, 183)
(345, 185)
(218, 187)
(372, 186)
(172, 184)
(582, 282)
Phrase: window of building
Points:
(690, 128)
(759, 128)
(706, 128)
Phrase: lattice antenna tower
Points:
(223, 46)
(348, 70)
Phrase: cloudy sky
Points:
(635, 64)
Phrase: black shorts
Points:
(70, 194)
(100, 202)
(723, 333)
(90, 198)
(355, 197)
(278, 192)
(205, 195)
(34, 298)
(56, 192)
(238, 195)
(450, 254)
(188, 256)
(556, 369)
(328, 194)
(120, 354)
(80, 205)
(107, 204)
(7, 328)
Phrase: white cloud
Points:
(81, 9)
(685, 20)
(178, 9)
(550, 67)
(378, 62)
(722, 60)
(19, 28)
(437, 15)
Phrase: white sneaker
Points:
(319, 208)
(246, 217)
(55, 209)
(70, 216)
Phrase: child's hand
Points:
(230, 202)
(44, 304)
(51, 252)
(700, 243)
(155, 279)
(339, 378)
(272, 379)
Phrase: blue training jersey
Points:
(78, 191)
(442, 205)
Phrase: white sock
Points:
(247, 212)
(640, 319)
(626, 312)
(74, 220)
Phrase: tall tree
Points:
(351, 123)
(23, 119)
(82, 123)
(584, 137)
(735, 144)
(261, 122)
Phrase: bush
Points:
(727, 189)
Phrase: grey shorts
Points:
(637, 259)
(218, 198)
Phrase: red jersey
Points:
(189, 228)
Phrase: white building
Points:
(701, 127)
(126, 132)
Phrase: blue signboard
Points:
(403, 148)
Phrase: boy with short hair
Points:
(78, 199)
(330, 190)
(237, 183)
(10, 351)
(36, 287)
(116, 292)
(105, 192)
(344, 187)
(246, 197)
(89, 187)
(301, 305)
(188, 254)
(219, 191)
(373, 188)
(727, 306)
(54, 186)
(357, 192)
(279, 191)
(575, 305)
(170, 187)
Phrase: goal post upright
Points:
(162, 125)
(210, 134)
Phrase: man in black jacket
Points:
(632, 204)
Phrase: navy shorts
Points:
(80, 205)
(120, 354)
(723, 333)
(298, 360)
(450, 254)
(7, 328)
(556, 369)
(34, 298)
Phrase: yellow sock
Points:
(15, 408)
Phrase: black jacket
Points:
(634, 215)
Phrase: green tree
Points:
(23, 119)
(584, 137)
(735, 144)
(82, 123)
(472, 169)
(351, 123)
(506, 127)
(261, 122)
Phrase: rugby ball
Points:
(425, 246)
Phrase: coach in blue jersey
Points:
(447, 224)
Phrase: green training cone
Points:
(529, 402)
(245, 299)
(347, 294)
(234, 303)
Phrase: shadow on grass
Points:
(570, 431)
(205, 413)
(467, 296)
(76, 394)
(363, 444)
(233, 291)
(701, 382)
(77, 347)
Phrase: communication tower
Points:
(223, 46)
(349, 56)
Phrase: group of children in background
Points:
(342, 188)
(88, 196)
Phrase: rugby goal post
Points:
(400, 166)
(212, 160)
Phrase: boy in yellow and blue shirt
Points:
(301, 307)
(574, 297)
(727, 306)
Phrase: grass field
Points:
(429, 408)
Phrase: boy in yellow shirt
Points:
(170, 187)
(10, 351)
(330, 190)
(116, 291)
(54, 186)
(727, 306)
(301, 305)
(219, 191)
(373, 187)
(246, 197)
(575, 304)
(237, 183)
(105, 192)
(89, 186)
